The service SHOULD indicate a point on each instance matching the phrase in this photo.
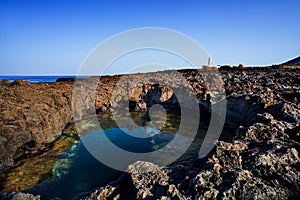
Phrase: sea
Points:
(35, 79)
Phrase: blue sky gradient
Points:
(54, 37)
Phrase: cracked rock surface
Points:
(260, 162)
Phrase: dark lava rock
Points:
(261, 162)
(246, 168)
(65, 80)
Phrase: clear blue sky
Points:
(55, 36)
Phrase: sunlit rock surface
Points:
(262, 161)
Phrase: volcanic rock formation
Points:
(261, 161)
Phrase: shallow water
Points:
(67, 173)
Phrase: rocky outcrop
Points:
(31, 117)
(140, 182)
(262, 161)
(293, 62)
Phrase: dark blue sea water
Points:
(35, 79)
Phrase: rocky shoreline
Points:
(260, 162)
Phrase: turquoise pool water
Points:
(77, 171)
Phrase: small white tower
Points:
(209, 61)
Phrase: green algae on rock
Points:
(64, 162)
(36, 169)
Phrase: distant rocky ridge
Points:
(262, 161)
(293, 62)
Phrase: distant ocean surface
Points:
(34, 79)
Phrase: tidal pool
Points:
(73, 170)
